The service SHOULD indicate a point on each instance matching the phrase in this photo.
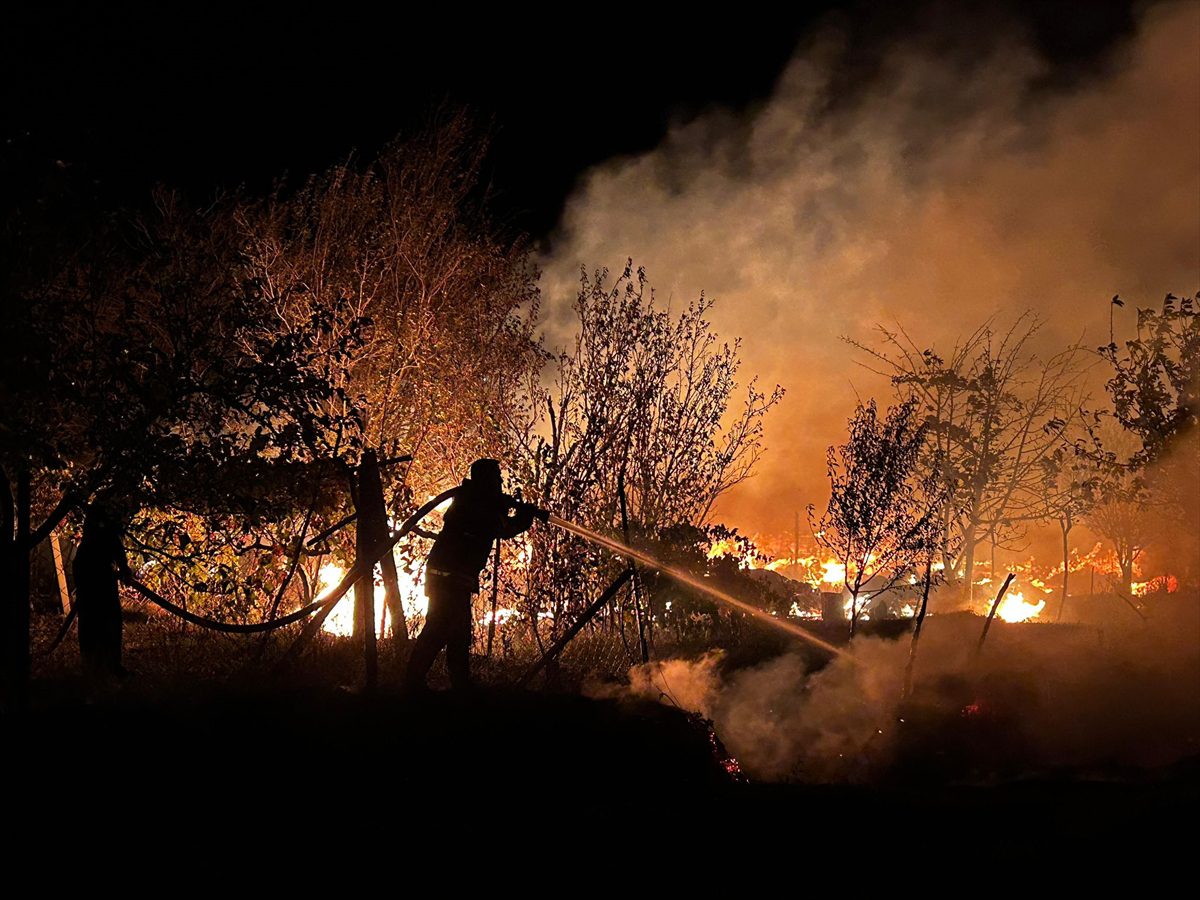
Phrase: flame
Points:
(504, 614)
(722, 548)
(833, 572)
(1015, 608)
(1163, 583)
(863, 600)
(797, 612)
(341, 621)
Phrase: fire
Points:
(341, 621)
(722, 548)
(504, 614)
(833, 572)
(1163, 583)
(1015, 608)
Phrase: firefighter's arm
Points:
(520, 520)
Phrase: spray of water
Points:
(699, 584)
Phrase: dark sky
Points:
(213, 97)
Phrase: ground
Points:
(204, 756)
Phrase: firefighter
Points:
(478, 515)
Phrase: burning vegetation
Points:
(250, 418)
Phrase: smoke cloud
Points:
(1038, 699)
(949, 187)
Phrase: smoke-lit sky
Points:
(952, 185)
(816, 170)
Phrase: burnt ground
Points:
(208, 765)
(204, 751)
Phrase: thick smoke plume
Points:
(953, 186)
(1038, 700)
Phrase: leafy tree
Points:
(1151, 469)
(170, 389)
(405, 241)
(1155, 383)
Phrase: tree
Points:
(1125, 520)
(1072, 479)
(1155, 383)
(885, 511)
(171, 392)
(405, 241)
(642, 404)
(995, 412)
(1150, 467)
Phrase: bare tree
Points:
(1072, 479)
(641, 404)
(1125, 519)
(884, 512)
(995, 412)
(452, 299)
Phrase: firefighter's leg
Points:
(113, 628)
(458, 642)
(432, 638)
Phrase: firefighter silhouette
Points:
(479, 514)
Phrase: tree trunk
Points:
(1065, 524)
(992, 612)
(372, 524)
(969, 567)
(912, 647)
(364, 588)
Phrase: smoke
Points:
(948, 187)
(1038, 699)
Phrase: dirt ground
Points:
(200, 739)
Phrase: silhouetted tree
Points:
(995, 411)
(885, 509)
(1150, 468)
(171, 389)
(642, 401)
(405, 241)
(1072, 480)
(1155, 384)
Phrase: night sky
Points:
(818, 171)
(217, 97)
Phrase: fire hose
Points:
(357, 571)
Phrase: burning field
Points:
(805, 416)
